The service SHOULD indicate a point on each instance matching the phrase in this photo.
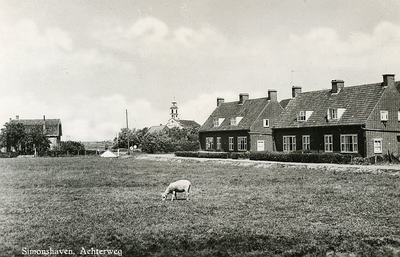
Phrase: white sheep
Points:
(177, 186)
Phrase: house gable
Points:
(390, 102)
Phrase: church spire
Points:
(174, 110)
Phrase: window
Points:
(306, 142)
(328, 141)
(217, 121)
(289, 143)
(231, 144)
(398, 115)
(348, 143)
(218, 143)
(209, 143)
(377, 145)
(233, 121)
(242, 143)
(384, 115)
(302, 116)
(335, 113)
(266, 123)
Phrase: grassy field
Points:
(115, 204)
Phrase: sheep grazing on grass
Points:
(177, 186)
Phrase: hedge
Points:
(304, 157)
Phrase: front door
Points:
(260, 145)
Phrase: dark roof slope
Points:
(359, 101)
(249, 110)
(35, 122)
(157, 129)
(189, 123)
(284, 102)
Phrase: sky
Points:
(86, 62)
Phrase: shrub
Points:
(187, 154)
(9, 154)
(312, 157)
(239, 155)
(219, 155)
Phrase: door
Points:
(260, 145)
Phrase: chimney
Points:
(337, 85)
(17, 117)
(295, 91)
(243, 97)
(220, 101)
(272, 95)
(388, 80)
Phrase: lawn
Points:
(115, 204)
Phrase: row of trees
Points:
(15, 137)
(185, 139)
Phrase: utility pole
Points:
(127, 129)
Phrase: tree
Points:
(35, 140)
(72, 147)
(135, 137)
(12, 136)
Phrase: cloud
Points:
(143, 65)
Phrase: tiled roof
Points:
(34, 122)
(249, 110)
(284, 102)
(189, 123)
(157, 129)
(359, 102)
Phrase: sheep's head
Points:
(164, 196)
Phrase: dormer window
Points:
(304, 115)
(235, 120)
(335, 113)
(384, 115)
(217, 121)
(266, 123)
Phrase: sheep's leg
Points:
(173, 194)
(187, 192)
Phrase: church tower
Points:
(174, 110)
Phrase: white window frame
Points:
(209, 143)
(289, 143)
(242, 143)
(231, 144)
(266, 123)
(328, 143)
(219, 143)
(306, 142)
(233, 121)
(302, 116)
(215, 122)
(348, 146)
(398, 115)
(334, 114)
(377, 146)
(384, 115)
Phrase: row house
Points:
(363, 119)
(243, 125)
